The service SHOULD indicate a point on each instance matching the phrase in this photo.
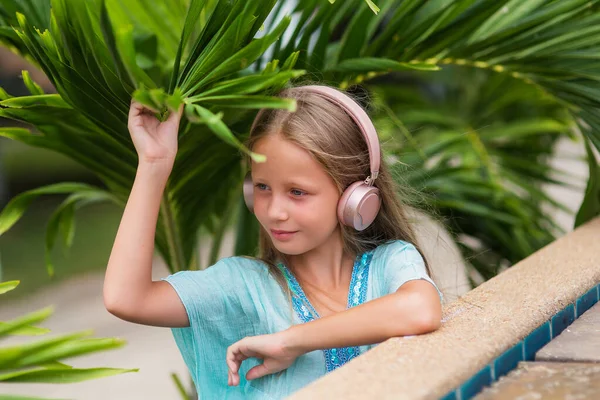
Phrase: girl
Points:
(339, 270)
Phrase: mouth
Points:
(282, 235)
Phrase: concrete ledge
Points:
(476, 329)
(547, 380)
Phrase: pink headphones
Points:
(360, 202)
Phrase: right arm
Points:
(129, 292)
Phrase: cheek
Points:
(323, 211)
(260, 208)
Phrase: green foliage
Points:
(591, 203)
(41, 361)
(100, 54)
(477, 146)
(552, 45)
(221, 58)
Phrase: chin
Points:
(288, 249)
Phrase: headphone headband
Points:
(357, 114)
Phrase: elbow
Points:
(111, 305)
(426, 314)
(430, 321)
(125, 302)
(110, 297)
(115, 306)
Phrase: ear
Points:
(248, 189)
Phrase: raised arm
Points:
(129, 292)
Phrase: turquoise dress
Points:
(238, 297)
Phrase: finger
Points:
(174, 117)
(240, 353)
(135, 110)
(245, 350)
(232, 358)
(257, 372)
(141, 117)
(135, 107)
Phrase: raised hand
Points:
(154, 141)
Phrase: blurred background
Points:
(518, 162)
(25, 167)
(75, 290)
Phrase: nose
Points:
(278, 208)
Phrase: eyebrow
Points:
(292, 182)
(301, 184)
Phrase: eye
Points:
(261, 186)
(297, 192)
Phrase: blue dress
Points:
(238, 297)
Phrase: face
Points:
(295, 200)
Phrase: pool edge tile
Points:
(508, 360)
(586, 301)
(562, 319)
(537, 339)
(476, 383)
(453, 395)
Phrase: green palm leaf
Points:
(551, 45)
(99, 54)
(486, 183)
(40, 361)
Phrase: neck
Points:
(327, 266)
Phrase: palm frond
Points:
(99, 54)
(480, 158)
(213, 56)
(41, 360)
(548, 44)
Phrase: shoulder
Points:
(227, 272)
(224, 290)
(394, 260)
(397, 251)
(241, 264)
(245, 269)
(397, 262)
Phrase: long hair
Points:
(334, 140)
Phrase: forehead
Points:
(285, 161)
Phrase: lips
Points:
(279, 232)
(282, 235)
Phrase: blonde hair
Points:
(330, 135)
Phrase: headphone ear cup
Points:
(359, 205)
(248, 189)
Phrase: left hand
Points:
(273, 349)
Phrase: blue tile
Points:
(536, 340)
(476, 383)
(586, 301)
(508, 360)
(450, 396)
(562, 319)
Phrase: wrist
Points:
(292, 341)
(155, 169)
